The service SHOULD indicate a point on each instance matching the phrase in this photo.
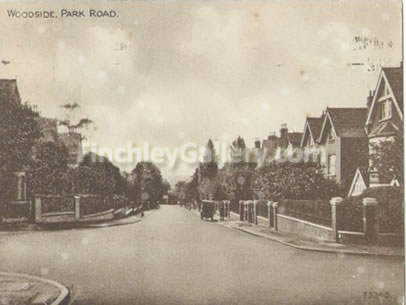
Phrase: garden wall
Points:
(305, 228)
(315, 211)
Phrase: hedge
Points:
(90, 204)
(55, 203)
(390, 210)
(316, 211)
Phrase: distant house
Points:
(344, 142)
(73, 142)
(274, 146)
(9, 90)
(385, 114)
(48, 129)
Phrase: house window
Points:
(331, 165)
(385, 110)
(309, 142)
(331, 135)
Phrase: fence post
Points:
(221, 209)
(249, 211)
(270, 213)
(275, 215)
(255, 212)
(77, 207)
(241, 209)
(37, 209)
(227, 207)
(335, 218)
(369, 218)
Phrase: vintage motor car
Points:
(207, 209)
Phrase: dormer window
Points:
(385, 110)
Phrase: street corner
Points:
(19, 289)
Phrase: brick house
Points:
(344, 143)
(385, 114)
(9, 90)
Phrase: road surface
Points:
(172, 257)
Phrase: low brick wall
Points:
(301, 227)
(262, 221)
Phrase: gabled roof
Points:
(9, 90)
(313, 127)
(394, 78)
(385, 129)
(346, 122)
(361, 176)
(295, 138)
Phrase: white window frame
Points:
(385, 109)
(331, 170)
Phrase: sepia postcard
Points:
(202, 152)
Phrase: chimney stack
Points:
(284, 131)
(257, 143)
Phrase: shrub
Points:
(304, 181)
(390, 210)
(90, 204)
(55, 203)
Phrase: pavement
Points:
(7, 228)
(173, 257)
(23, 289)
(300, 242)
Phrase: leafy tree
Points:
(97, 175)
(148, 184)
(387, 158)
(166, 187)
(236, 181)
(49, 172)
(19, 131)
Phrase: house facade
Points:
(73, 142)
(385, 115)
(344, 143)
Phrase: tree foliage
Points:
(235, 180)
(49, 172)
(287, 180)
(19, 131)
(97, 175)
(148, 186)
(387, 159)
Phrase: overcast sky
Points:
(190, 70)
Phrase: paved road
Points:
(172, 257)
